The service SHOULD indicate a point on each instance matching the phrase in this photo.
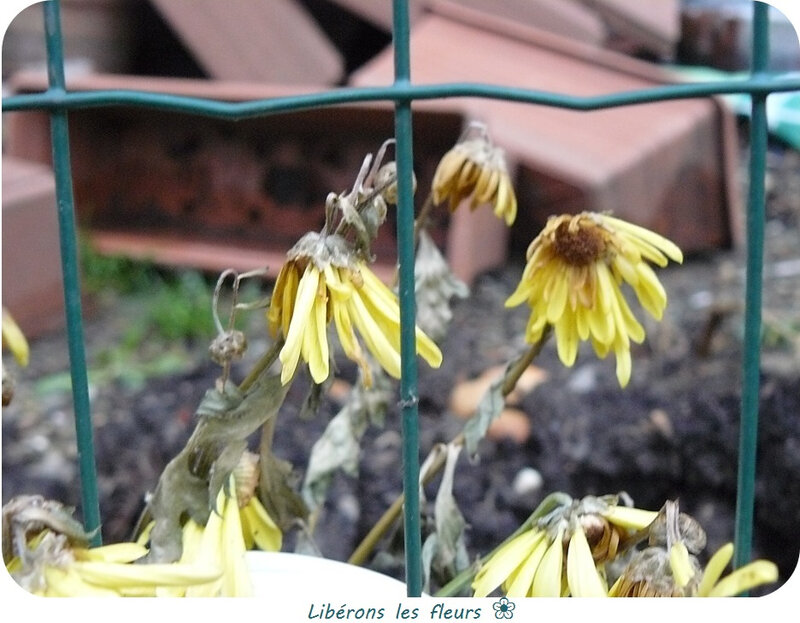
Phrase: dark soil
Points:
(673, 433)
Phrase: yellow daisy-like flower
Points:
(475, 168)
(239, 522)
(572, 280)
(309, 293)
(54, 568)
(658, 572)
(532, 564)
(221, 543)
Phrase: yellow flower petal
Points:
(15, 339)
(582, 575)
(557, 299)
(714, 568)
(68, 583)
(289, 297)
(682, 571)
(115, 575)
(236, 581)
(547, 582)
(375, 339)
(274, 312)
(630, 518)
(116, 552)
(745, 578)
(209, 553)
(316, 340)
(520, 581)
(306, 295)
(659, 242)
(624, 366)
(265, 532)
(500, 565)
(382, 302)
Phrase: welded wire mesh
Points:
(402, 92)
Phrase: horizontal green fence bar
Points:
(58, 99)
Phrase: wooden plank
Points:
(275, 41)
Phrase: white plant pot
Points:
(287, 575)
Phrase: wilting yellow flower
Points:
(474, 167)
(572, 280)
(658, 572)
(54, 568)
(220, 543)
(14, 339)
(307, 296)
(239, 522)
(532, 563)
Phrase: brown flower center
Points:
(579, 245)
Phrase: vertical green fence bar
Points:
(408, 347)
(69, 266)
(751, 362)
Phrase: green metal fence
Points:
(58, 102)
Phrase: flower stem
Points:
(267, 359)
(382, 526)
(422, 217)
(365, 547)
(519, 367)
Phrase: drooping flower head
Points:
(475, 168)
(49, 555)
(561, 552)
(323, 281)
(237, 523)
(572, 281)
(327, 278)
(669, 566)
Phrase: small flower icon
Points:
(503, 609)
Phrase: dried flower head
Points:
(658, 572)
(239, 522)
(475, 168)
(561, 552)
(323, 280)
(50, 557)
(669, 566)
(572, 279)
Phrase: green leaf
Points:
(339, 446)
(489, 408)
(435, 285)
